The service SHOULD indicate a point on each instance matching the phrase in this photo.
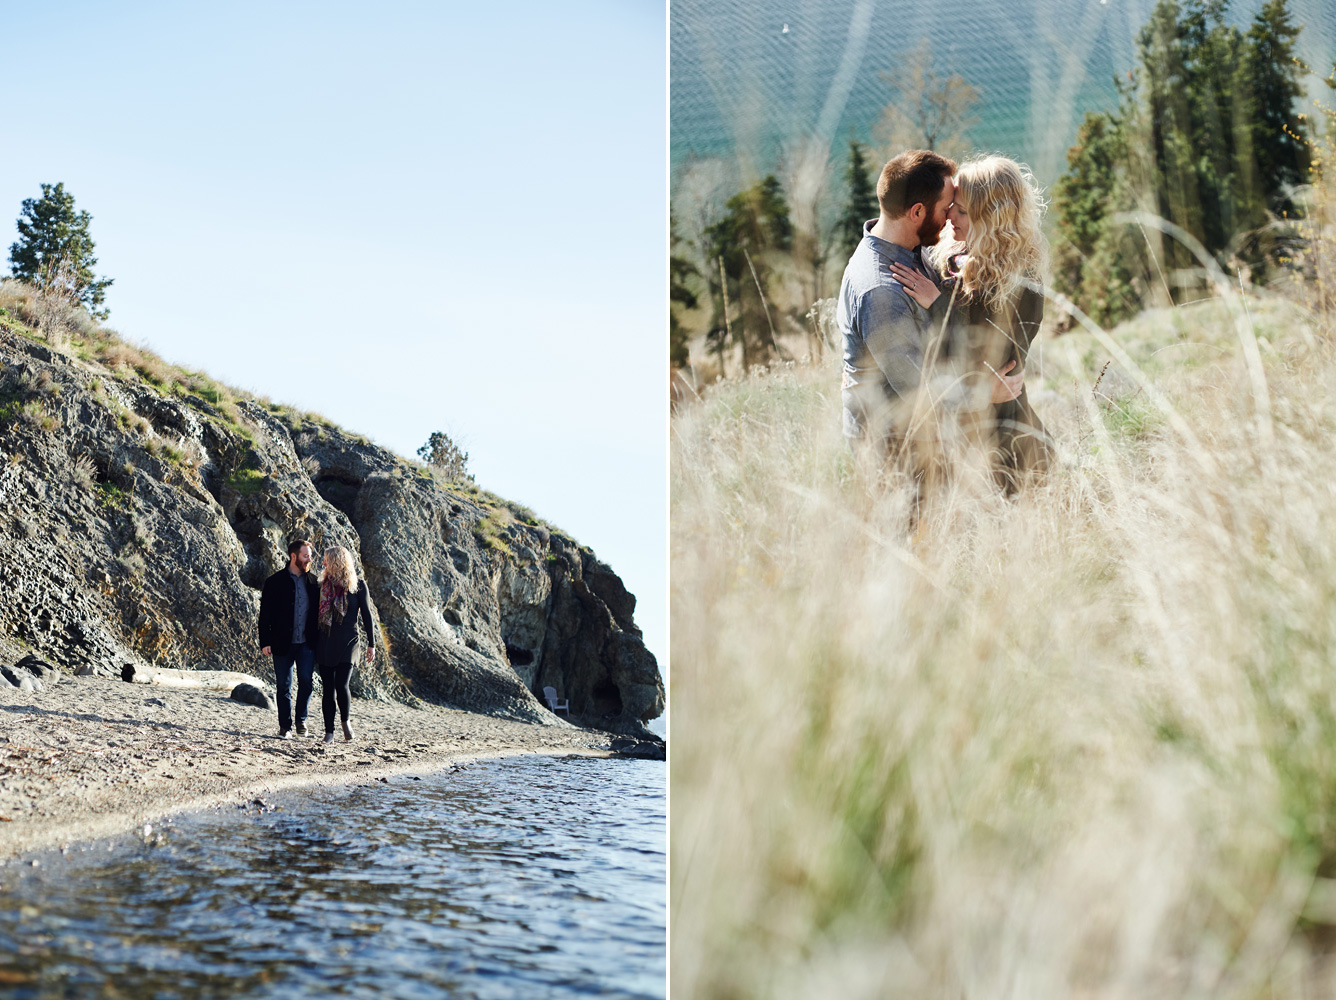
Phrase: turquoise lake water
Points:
(535, 877)
(742, 87)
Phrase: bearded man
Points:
(887, 335)
(289, 608)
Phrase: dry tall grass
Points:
(1082, 743)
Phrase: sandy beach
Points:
(92, 757)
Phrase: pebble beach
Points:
(93, 757)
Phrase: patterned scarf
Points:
(333, 600)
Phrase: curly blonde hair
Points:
(340, 569)
(1006, 245)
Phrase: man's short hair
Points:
(296, 544)
(917, 175)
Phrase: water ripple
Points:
(534, 877)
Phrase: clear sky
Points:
(404, 216)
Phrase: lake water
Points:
(522, 877)
(742, 87)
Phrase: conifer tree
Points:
(1200, 137)
(55, 250)
(440, 452)
(861, 204)
(745, 246)
(1273, 83)
(679, 270)
(1083, 198)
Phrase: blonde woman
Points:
(339, 646)
(993, 262)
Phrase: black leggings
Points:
(334, 681)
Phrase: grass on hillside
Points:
(70, 330)
(76, 334)
(1080, 743)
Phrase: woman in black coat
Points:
(993, 264)
(338, 645)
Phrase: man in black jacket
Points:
(289, 612)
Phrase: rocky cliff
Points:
(142, 506)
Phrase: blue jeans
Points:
(303, 655)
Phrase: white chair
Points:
(550, 693)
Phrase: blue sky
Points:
(405, 216)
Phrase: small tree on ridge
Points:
(54, 251)
(442, 453)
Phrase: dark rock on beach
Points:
(249, 694)
(39, 668)
(30, 674)
(139, 521)
(640, 749)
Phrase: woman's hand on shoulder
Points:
(917, 286)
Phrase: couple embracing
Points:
(311, 624)
(936, 332)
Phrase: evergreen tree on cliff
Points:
(440, 452)
(55, 250)
(862, 201)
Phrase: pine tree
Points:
(745, 245)
(1083, 198)
(1206, 135)
(55, 250)
(440, 452)
(679, 270)
(862, 201)
(1273, 82)
(1202, 131)
(1167, 82)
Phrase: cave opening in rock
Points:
(518, 657)
(249, 532)
(606, 698)
(340, 491)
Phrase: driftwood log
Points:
(208, 680)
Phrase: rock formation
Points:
(141, 509)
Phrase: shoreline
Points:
(92, 757)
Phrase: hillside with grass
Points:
(142, 506)
(1077, 743)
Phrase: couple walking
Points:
(312, 624)
(936, 329)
